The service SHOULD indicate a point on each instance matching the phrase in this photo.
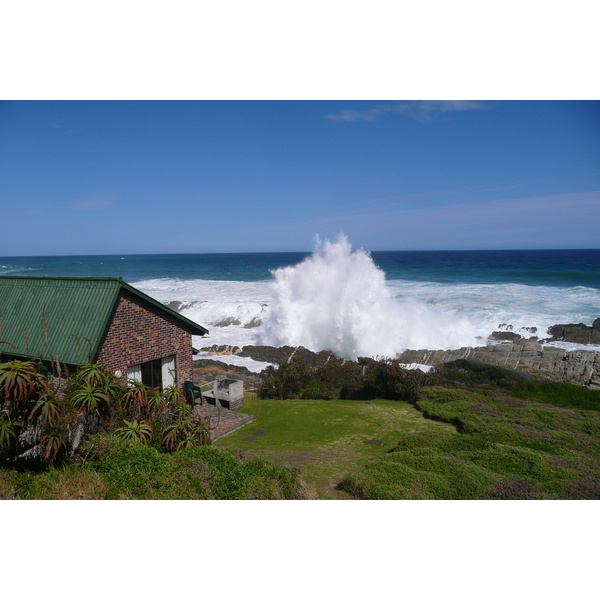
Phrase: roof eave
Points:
(195, 328)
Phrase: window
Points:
(160, 373)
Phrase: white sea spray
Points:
(338, 299)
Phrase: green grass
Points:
(509, 448)
(477, 376)
(326, 439)
(480, 433)
(129, 470)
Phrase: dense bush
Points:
(364, 380)
(43, 420)
(98, 439)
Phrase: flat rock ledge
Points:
(581, 367)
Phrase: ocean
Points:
(351, 301)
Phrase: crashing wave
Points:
(338, 299)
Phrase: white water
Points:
(338, 299)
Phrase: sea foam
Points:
(338, 299)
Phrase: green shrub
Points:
(133, 470)
(367, 379)
(521, 385)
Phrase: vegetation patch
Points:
(137, 471)
(362, 380)
(478, 375)
(528, 447)
(370, 431)
(95, 438)
(326, 439)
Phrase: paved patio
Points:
(221, 421)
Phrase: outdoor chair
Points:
(192, 392)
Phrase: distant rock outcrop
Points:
(285, 354)
(223, 350)
(577, 333)
(581, 367)
(207, 370)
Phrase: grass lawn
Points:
(326, 439)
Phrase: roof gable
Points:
(64, 317)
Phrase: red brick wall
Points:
(139, 332)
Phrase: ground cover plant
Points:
(91, 437)
(119, 469)
(520, 438)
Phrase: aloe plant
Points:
(18, 380)
(157, 401)
(8, 430)
(92, 374)
(137, 431)
(48, 409)
(53, 441)
(136, 398)
(186, 431)
(90, 399)
(172, 395)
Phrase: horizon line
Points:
(124, 254)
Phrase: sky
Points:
(136, 177)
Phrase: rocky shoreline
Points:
(505, 348)
(581, 367)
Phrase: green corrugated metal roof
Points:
(63, 317)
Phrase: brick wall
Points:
(139, 332)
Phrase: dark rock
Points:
(504, 336)
(226, 322)
(576, 333)
(286, 354)
(207, 370)
(255, 322)
(222, 350)
(178, 306)
(529, 329)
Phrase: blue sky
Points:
(115, 177)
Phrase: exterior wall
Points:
(138, 332)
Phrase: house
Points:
(74, 320)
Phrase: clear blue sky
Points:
(233, 176)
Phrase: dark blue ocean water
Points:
(557, 268)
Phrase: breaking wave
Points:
(338, 299)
